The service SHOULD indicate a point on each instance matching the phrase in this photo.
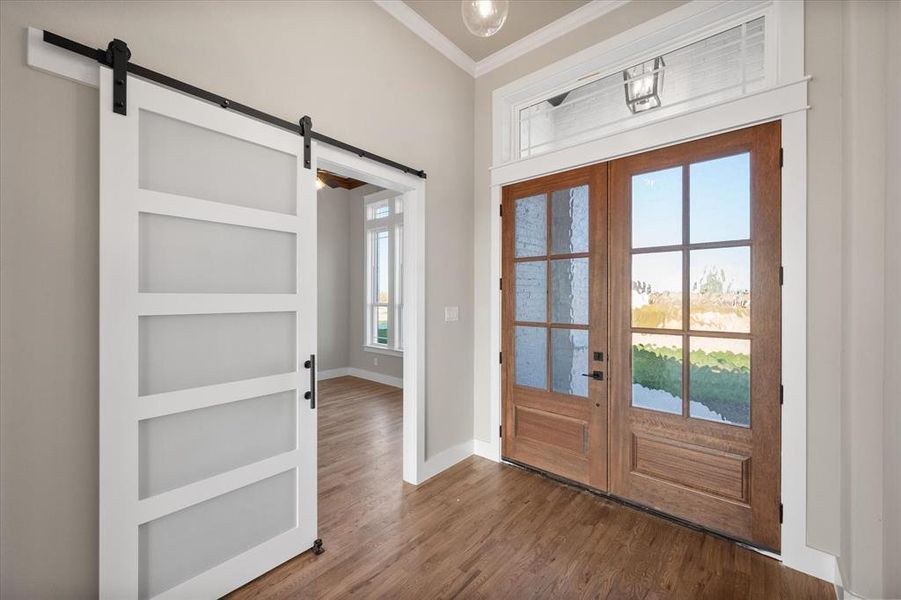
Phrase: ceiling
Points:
(525, 17)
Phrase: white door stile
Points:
(122, 409)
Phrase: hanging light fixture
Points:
(484, 18)
(644, 84)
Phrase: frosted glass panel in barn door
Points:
(207, 321)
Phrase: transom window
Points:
(720, 67)
(384, 234)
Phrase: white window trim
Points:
(394, 347)
(785, 99)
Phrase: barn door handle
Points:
(311, 395)
(599, 375)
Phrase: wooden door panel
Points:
(674, 451)
(562, 433)
(553, 429)
(693, 466)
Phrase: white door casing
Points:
(207, 315)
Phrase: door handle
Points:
(311, 395)
(598, 375)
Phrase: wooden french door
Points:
(555, 324)
(695, 325)
(692, 233)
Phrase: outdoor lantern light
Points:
(644, 83)
(484, 18)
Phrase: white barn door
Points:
(207, 318)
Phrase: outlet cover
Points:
(451, 313)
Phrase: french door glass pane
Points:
(569, 220)
(657, 290)
(530, 349)
(569, 360)
(569, 291)
(720, 199)
(531, 291)
(719, 380)
(531, 226)
(657, 208)
(721, 289)
(657, 372)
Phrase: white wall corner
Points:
(397, 382)
(485, 450)
(445, 460)
(550, 32)
(437, 40)
(332, 373)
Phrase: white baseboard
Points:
(485, 450)
(362, 374)
(332, 373)
(445, 460)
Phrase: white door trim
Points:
(787, 101)
(415, 467)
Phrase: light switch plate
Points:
(451, 313)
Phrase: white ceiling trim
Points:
(437, 40)
(550, 32)
(565, 24)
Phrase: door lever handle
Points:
(598, 375)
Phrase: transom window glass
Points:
(726, 65)
(551, 291)
(384, 231)
(691, 290)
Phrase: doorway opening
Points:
(371, 322)
(360, 341)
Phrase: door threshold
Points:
(768, 552)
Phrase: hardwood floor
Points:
(485, 530)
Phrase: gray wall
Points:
(287, 58)
(334, 282)
(892, 411)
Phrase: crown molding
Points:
(550, 32)
(562, 26)
(418, 25)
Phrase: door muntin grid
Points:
(691, 300)
(551, 287)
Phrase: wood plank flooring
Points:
(485, 530)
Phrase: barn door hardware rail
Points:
(117, 56)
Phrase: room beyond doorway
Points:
(360, 282)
